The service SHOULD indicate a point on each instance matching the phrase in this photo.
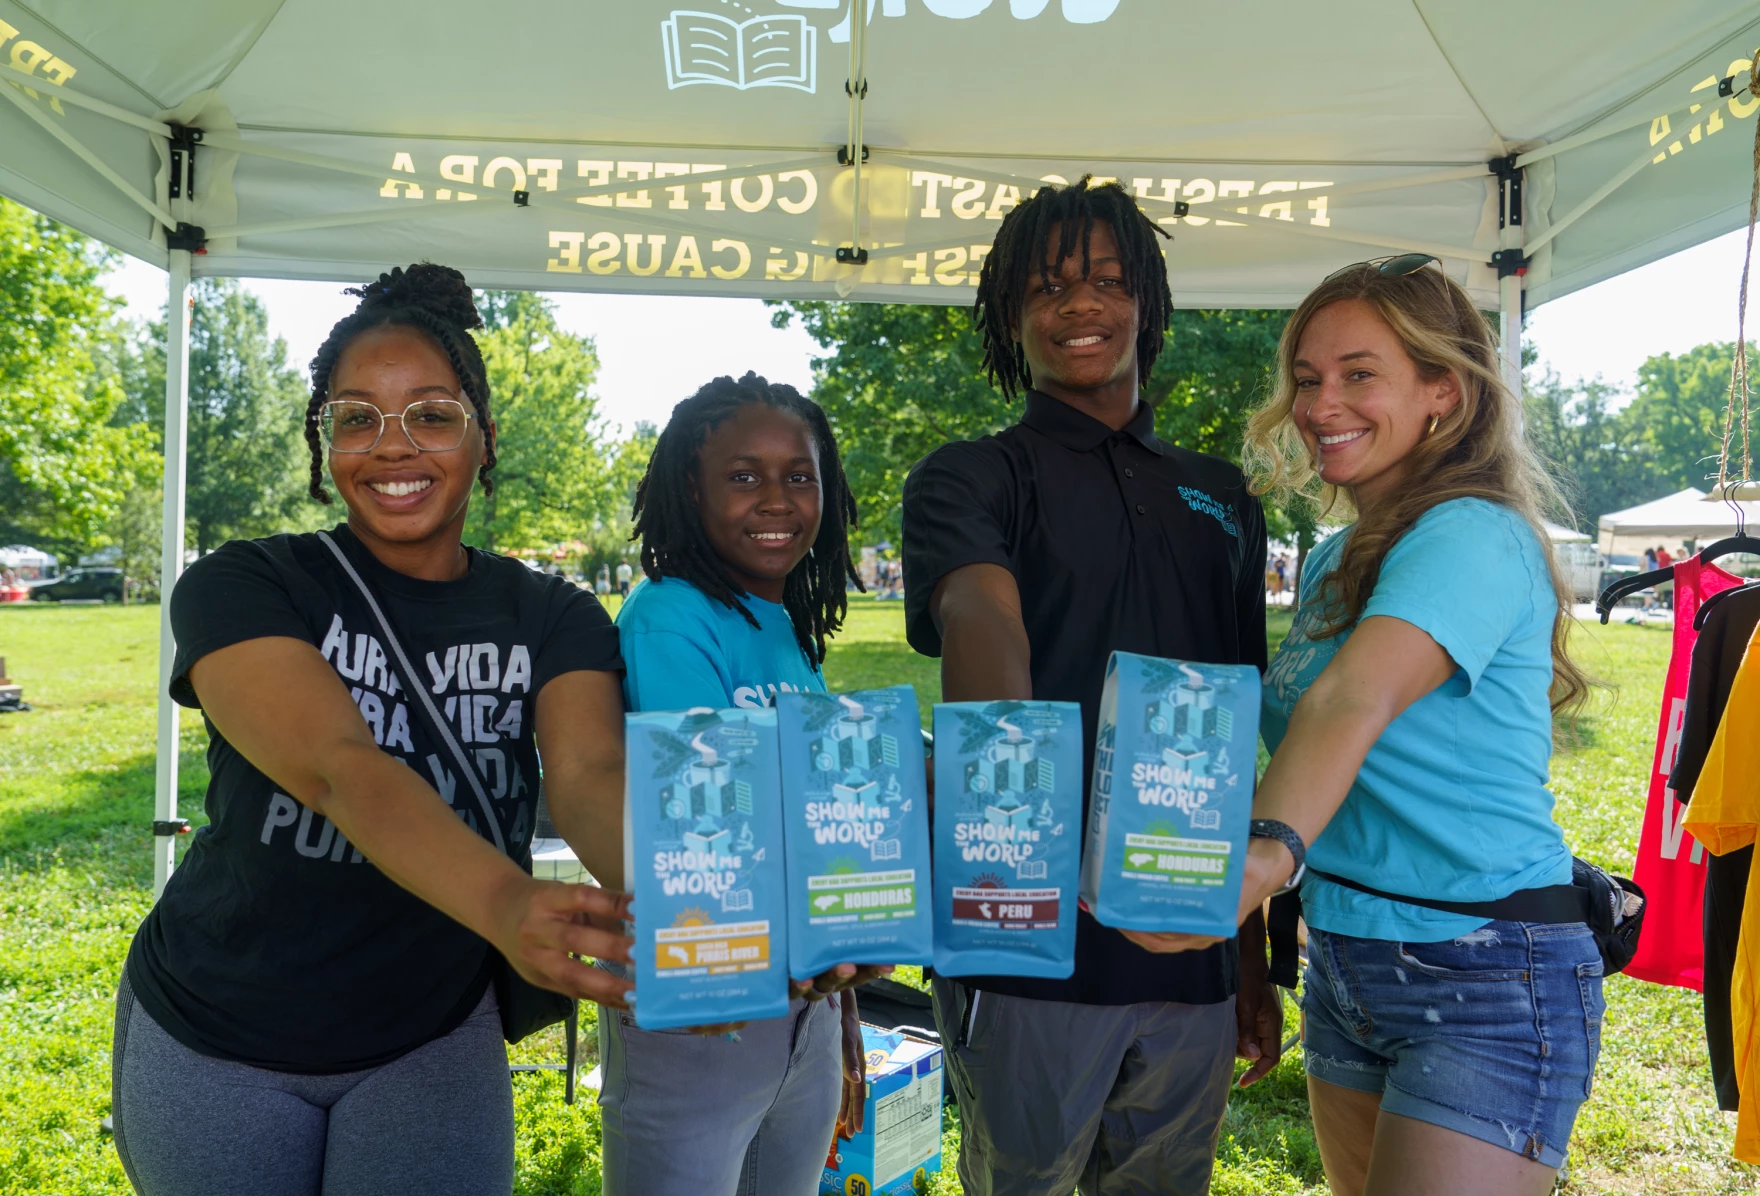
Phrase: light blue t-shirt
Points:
(1451, 803)
(683, 649)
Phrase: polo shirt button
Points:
(1141, 509)
(1130, 473)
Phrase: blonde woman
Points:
(1409, 713)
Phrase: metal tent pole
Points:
(166, 825)
(1511, 261)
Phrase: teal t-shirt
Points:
(682, 649)
(1451, 803)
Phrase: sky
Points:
(655, 350)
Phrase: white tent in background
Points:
(647, 145)
(1671, 521)
(1560, 534)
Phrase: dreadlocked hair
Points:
(434, 299)
(1021, 252)
(815, 593)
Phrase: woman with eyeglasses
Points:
(1452, 1003)
(312, 1004)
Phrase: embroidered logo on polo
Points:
(1197, 500)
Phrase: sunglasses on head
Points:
(1390, 267)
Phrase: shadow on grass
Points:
(113, 803)
(859, 665)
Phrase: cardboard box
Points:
(899, 1147)
(1174, 757)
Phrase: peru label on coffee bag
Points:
(1173, 793)
(855, 829)
(1008, 821)
(702, 853)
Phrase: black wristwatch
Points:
(1284, 833)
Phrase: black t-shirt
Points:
(1117, 542)
(277, 943)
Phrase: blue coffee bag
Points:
(855, 829)
(1174, 756)
(1008, 821)
(702, 854)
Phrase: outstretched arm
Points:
(282, 706)
(579, 725)
(984, 651)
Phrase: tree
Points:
(64, 464)
(1587, 447)
(901, 380)
(246, 450)
(608, 540)
(549, 476)
(1676, 418)
(135, 531)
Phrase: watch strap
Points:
(1284, 833)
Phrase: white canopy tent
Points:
(1686, 515)
(698, 146)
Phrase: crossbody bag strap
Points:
(406, 672)
(1553, 903)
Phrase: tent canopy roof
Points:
(691, 147)
(1688, 513)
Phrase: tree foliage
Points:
(246, 451)
(1667, 438)
(65, 465)
(550, 474)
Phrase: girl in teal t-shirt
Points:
(744, 518)
(1409, 713)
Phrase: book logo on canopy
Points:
(779, 50)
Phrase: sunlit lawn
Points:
(76, 783)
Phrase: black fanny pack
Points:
(1612, 907)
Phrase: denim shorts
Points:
(1493, 1035)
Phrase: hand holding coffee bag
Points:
(1008, 817)
(856, 829)
(703, 855)
(1174, 758)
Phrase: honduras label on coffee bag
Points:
(1173, 793)
(703, 857)
(856, 829)
(1008, 818)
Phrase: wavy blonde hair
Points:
(1476, 451)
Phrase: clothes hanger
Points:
(1630, 585)
(1740, 542)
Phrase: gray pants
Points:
(1120, 1100)
(437, 1122)
(691, 1115)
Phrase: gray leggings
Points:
(436, 1122)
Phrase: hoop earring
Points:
(1434, 419)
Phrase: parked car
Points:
(101, 583)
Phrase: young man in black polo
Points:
(1029, 557)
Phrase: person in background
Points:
(743, 516)
(1665, 589)
(624, 574)
(602, 582)
(311, 1004)
(1409, 715)
(1029, 557)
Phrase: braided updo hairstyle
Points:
(435, 299)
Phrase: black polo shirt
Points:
(1117, 542)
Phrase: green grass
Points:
(76, 783)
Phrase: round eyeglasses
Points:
(1390, 267)
(432, 425)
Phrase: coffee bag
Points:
(855, 829)
(1008, 819)
(703, 857)
(1174, 757)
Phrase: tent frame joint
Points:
(1509, 176)
(164, 827)
(184, 139)
(1510, 261)
(191, 238)
(843, 158)
(852, 256)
